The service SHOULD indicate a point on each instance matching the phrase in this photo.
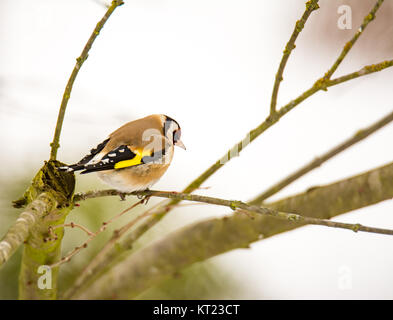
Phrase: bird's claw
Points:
(144, 198)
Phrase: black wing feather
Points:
(81, 164)
(93, 152)
(110, 159)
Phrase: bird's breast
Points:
(133, 178)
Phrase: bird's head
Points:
(173, 132)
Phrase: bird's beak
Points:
(180, 144)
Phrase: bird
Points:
(135, 156)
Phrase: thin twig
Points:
(104, 256)
(364, 71)
(79, 62)
(322, 84)
(310, 7)
(235, 204)
(271, 120)
(92, 235)
(53, 236)
(348, 46)
(359, 136)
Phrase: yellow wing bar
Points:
(139, 154)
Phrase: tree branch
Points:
(163, 210)
(235, 205)
(359, 136)
(104, 258)
(19, 232)
(208, 238)
(79, 62)
(348, 46)
(310, 7)
(321, 84)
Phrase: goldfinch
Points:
(135, 156)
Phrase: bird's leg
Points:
(122, 196)
(144, 198)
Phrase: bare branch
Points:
(348, 46)
(235, 204)
(310, 7)
(53, 236)
(79, 62)
(359, 136)
(365, 70)
(104, 258)
(92, 235)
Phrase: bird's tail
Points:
(72, 167)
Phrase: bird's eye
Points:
(176, 135)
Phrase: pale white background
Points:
(210, 65)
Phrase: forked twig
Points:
(92, 235)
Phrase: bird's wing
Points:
(123, 157)
(93, 152)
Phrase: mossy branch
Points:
(208, 238)
(310, 7)
(49, 188)
(79, 62)
(48, 200)
(19, 232)
(38, 252)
